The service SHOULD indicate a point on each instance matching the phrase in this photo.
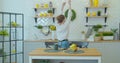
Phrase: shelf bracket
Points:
(53, 19)
(105, 9)
(35, 9)
(86, 10)
(105, 19)
(53, 10)
(86, 19)
(35, 20)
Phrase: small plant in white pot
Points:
(108, 35)
(97, 27)
(50, 13)
(98, 37)
(3, 34)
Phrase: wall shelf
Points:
(43, 9)
(45, 17)
(93, 25)
(49, 40)
(36, 9)
(10, 27)
(103, 16)
(97, 7)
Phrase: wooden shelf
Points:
(87, 52)
(43, 40)
(45, 8)
(10, 27)
(45, 17)
(94, 25)
(103, 16)
(97, 7)
(49, 40)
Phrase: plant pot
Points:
(99, 13)
(97, 38)
(83, 37)
(50, 14)
(53, 35)
(107, 37)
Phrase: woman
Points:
(62, 28)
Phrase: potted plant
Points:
(99, 13)
(3, 33)
(108, 35)
(50, 12)
(39, 26)
(98, 37)
(97, 27)
(13, 24)
(114, 30)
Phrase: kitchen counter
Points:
(89, 54)
(49, 40)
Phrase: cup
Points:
(56, 47)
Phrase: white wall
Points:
(109, 50)
(26, 7)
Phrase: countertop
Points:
(87, 52)
(49, 40)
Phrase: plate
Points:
(72, 52)
(51, 50)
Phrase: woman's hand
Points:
(63, 4)
(69, 2)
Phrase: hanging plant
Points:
(4, 33)
(39, 26)
(73, 14)
(52, 27)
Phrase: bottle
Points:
(96, 2)
(56, 47)
(91, 3)
(37, 5)
(50, 4)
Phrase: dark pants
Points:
(63, 44)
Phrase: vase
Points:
(107, 37)
(53, 35)
(96, 3)
(116, 37)
(97, 38)
(83, 37)
(91, 3)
